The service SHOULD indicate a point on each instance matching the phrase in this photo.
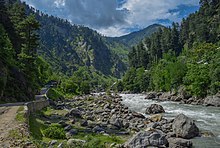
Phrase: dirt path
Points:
(7, 123)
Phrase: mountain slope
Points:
(67, 47)
(122, 45)
(134, 38)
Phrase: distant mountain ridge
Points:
(134, 38)
(122, 45)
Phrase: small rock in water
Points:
(207, 134)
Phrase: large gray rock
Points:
(71, 133)
(185, 127)
(212, 100)
(97, 129)
(75, 113)
(147, 138)
(179, 143)
(116, 121)
(151, 95)
(138, 115)
(154, 109)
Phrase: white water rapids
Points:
(207, 118)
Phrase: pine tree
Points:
(28, 55)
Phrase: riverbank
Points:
(184, 98)
(106, 120)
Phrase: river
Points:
(207, 118)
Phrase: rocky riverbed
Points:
(206, 118)
(107, 115)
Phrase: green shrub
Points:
(54, 94)
(54, 132)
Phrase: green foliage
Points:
(36, 127)
(54, 132)
(180, 56)
(69, 87)
(67, 47)
(85, 80)
(168, 73)
(22, 71)
(20, 116)
(7, 52)
(98, 140)
(120, 86)
(203, 74)
(85, 87)
(44, 71)
(54, 94)
(136, 80)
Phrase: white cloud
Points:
(113, 31)
(145, 12)
(105, 16)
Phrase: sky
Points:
(117, 17)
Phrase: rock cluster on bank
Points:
(184, 98)
(107, 115)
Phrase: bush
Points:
(54, 94)
(54, 132)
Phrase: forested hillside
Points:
(22, 71)
(67, 47)
(182, 56)
(122, 45)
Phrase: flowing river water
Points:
(207, 118)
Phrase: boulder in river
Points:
(151, 95)
(212, 101)
(154, 109)
(147, 138)
(179, 143)
(185, 127)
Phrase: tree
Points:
(28, 55)
(85, 87)
(6, 50)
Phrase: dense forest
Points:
(182, 56)
(67, 47)
(22, 70)
(36, 48)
